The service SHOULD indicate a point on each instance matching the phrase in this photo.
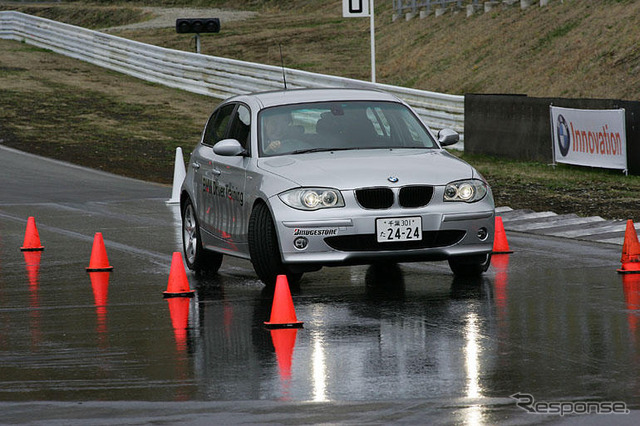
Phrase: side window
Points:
(241, 127)
(217, 126)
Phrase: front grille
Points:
(415, 196)
(375, 198)
(368, 242)
(383, 198)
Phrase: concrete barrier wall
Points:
(208, 75)
(519, 127)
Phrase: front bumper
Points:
(347, 235)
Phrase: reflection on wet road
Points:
(553, 320)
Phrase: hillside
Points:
(571, 48)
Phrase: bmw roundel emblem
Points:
(392, 179)
(564, 139)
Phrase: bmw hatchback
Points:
(297, 180)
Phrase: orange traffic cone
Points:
(630, 251)
(99, 261)
(283, 314)
(500, 243)
(31, 237)
(178, 283)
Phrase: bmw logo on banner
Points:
(564, 138)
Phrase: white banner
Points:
(355, 8)
(595, 138)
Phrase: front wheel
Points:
(470, 266)
(264, 249)
(197, 257)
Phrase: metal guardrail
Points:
(207, 75)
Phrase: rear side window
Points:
(218, 125)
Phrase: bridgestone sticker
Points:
(315, 232)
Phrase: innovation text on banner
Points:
(595, 138)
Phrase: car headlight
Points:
(468, 191)
(312, 198)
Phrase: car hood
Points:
(363, 168)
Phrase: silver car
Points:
(300, 179)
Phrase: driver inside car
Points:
(275, 131)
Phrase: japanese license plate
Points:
(393, 229)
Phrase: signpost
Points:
(362, 9)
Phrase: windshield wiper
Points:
(308, 150)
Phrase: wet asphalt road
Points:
(401, 345)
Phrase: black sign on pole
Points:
(197, 25)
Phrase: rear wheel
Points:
(264, 248)
(197, 257)
(470, 266)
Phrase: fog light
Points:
(482, 234)
(300, 243)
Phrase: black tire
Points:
(264, 249)
(198, 259)
(470, 266)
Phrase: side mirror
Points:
(228, 148)
(448, 137)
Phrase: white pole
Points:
(373, 42)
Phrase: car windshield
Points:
(330, 126)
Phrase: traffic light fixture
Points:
(197, 25)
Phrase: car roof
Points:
(295, 96)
